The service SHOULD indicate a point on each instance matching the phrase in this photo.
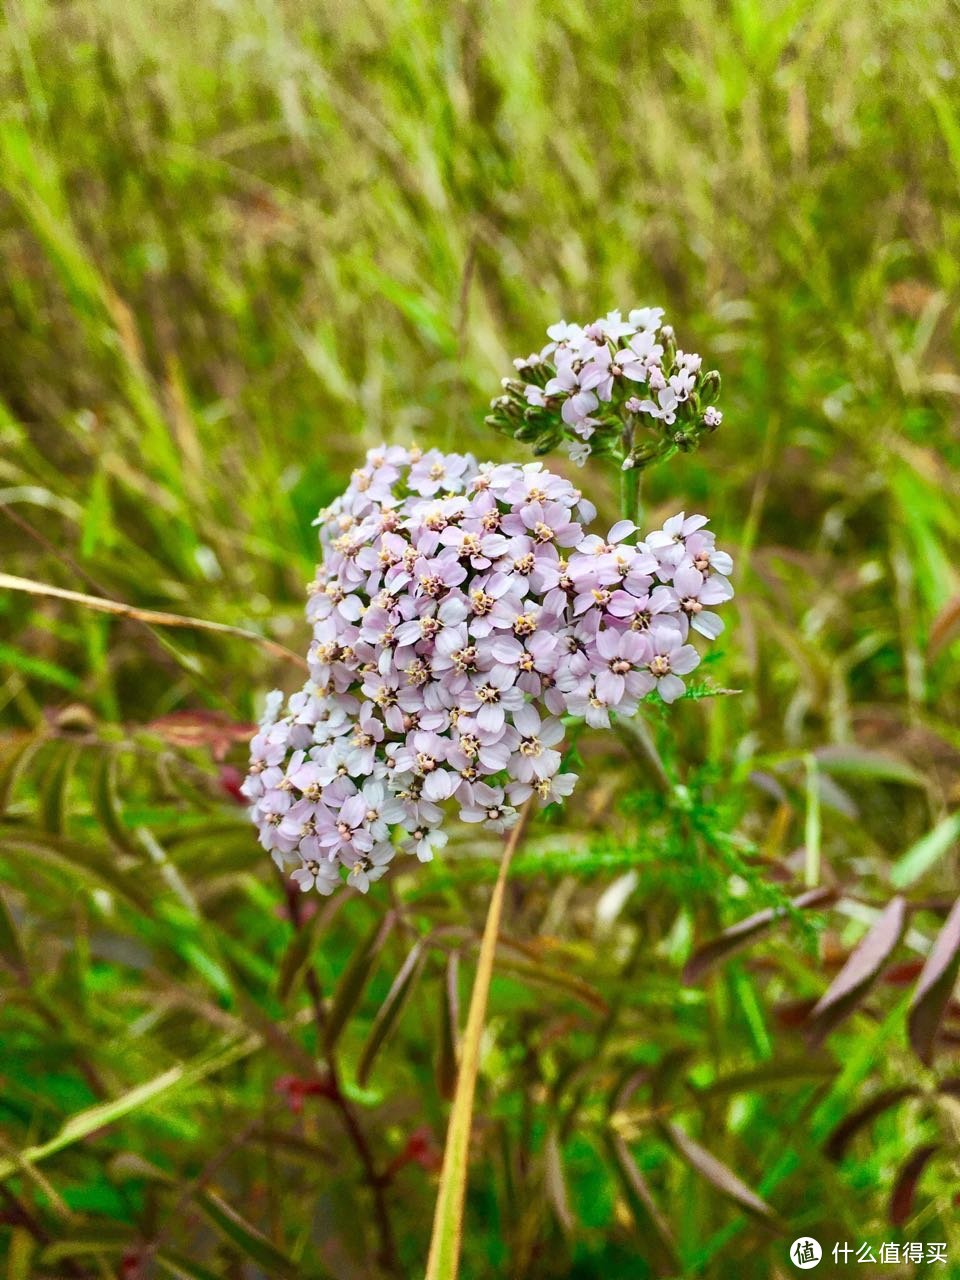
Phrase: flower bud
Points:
(528, 431)
(709, 387)
(546, 442)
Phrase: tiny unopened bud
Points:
(497, 424)
(546, 442)
(709, 387)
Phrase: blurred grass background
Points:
(241, 242)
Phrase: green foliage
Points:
(242, 242)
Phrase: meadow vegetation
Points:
(243, 242)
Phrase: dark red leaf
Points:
(901, 975)
(935, 987)
(745, 931)
(905, 1187)
(793, 1013)
(840, 1138)
(861, 970)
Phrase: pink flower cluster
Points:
(459, 614)
(617, 386)
(589, 360)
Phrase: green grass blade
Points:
(927, 851)
(86, 1122)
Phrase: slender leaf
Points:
(946, 627)
(935, 986)
(11, 950)
(108, 1238)
(389, 1012)
(86, 1122)
(771, 1075)
(652, 1227)
(556, 1184)
(851, 761)
(39, 668)
(297, 955)
(849, 1127)
(927, 851)
(251, 1242)
(548, 976)
(448, 1049)
(15, 765)
(746, 931)
(106, 803)
(355, 976)
(180, 1268)
(717, 1173)
(905, 1188)
(53, 800)
(78, 860)
(860, 971)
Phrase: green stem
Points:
(630, 494)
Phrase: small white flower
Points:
(579, 451)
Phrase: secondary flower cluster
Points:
(595, 387)
(459, 613)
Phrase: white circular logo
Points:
(805, 1253)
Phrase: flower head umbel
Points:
(460, 612)
(618, 387)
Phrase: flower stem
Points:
(447, 1237)
(630, 481)
(630, 493)
(375, 1181)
